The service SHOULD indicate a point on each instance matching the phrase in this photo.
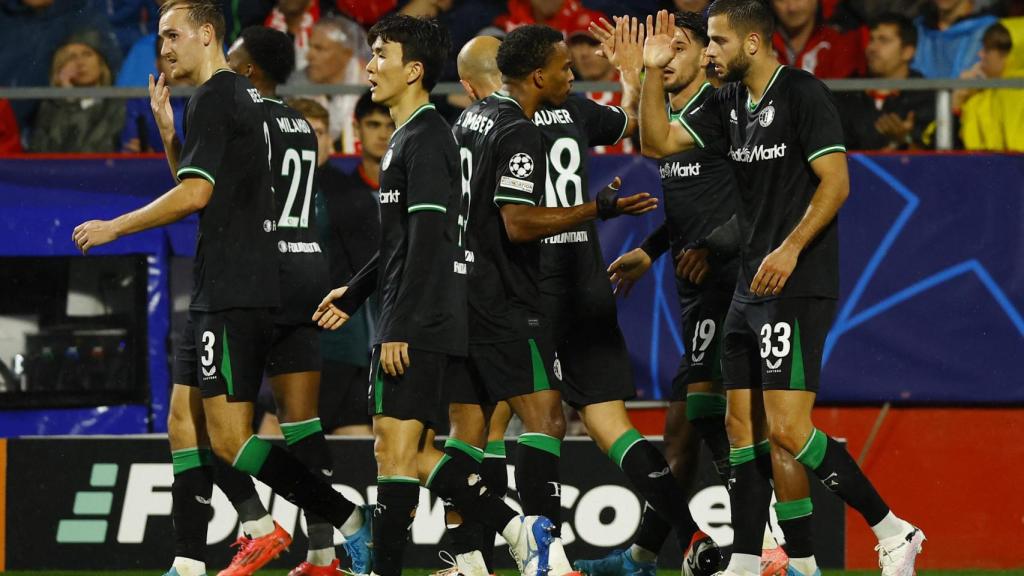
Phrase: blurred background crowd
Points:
(93, 43)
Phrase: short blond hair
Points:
(63, 54)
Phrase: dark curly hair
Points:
(526, 49)
(272, 50)
(746, 16)
(424, 41)
(695, 23)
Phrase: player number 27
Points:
(292, 166)
(782, 333)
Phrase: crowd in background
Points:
(101, 43)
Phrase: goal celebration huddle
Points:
(492, 299)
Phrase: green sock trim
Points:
(794, 509)
(813, 451)
(189, 458)
(761, 448)
(495, 449)
(253, 454)
(741, 455)
(539, 441)
(437, 467)
(540, 374)
(296, 431)
(206, 455)
(397, 480)
(465, 447)
(623, 444)
(704, 405)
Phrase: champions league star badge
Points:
(766, 116)
(387, 159)
(521, 165)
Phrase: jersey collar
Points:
(751, 105)
(502, 95)
(427, 106)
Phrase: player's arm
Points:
(627, 269)
(658, 136)
(623, 45)
(820, 133)
(339, 304)
(160, 104)
(526, 223)
(190, 196)
(721, 244)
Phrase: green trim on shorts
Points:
(539, 441)
(437, 467)
(621, 446)
(704, 405)
(495, 449)
(813, 451)
(294, 432)
(253, 454)
(793, 510)
(378, 389)
(797, 377)
(188, 458)
(397, 480)
(225, 363)
(540, 375)
(466, 448)
(741, 455)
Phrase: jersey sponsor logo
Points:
(516, 184)
(574, 237)
(733, 118)
(757, 153)
(255, 95)
(521, 165)
(679, 170)
(548, 117)
(293, 126)
(387, 159)
(765, 116)
(476, 122)
(298, 247)
(390, 196)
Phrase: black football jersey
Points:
(700, 194)
(421, 272)
(771, 144)
(293, 149)
(502, 163)
(226, 143)
(571, 261)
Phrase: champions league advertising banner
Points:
(104, 503)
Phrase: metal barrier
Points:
(943, 89)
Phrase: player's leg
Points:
(235, 344)
(342, 399)
(294, 370)
(396, 445)
(494, 471)
(793, 510)
(466, 441)
(193, 479)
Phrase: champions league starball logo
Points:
(521, 165)
(387, 159)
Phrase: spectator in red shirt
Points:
(804, 41)
(565, 15)
(296, 18)
(10, 136)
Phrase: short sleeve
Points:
(604, 125)
(519, 166)
(428, 172)
(206, 134)
(819, 128)
(704, 122)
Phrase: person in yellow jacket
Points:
(994, 119)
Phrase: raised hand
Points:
(627, 269)
(160, 104)
(604, 32)
(658, 49)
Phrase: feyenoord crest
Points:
(521, 165)
(387, 159)
(766, 116)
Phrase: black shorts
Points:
(296, 348)
(703, 321)
(343, 395)
(420, 393)
(776, 344)
(498, 371)
(591, 357)
(224, 352)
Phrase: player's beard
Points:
(737, 69)
(681, 83)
